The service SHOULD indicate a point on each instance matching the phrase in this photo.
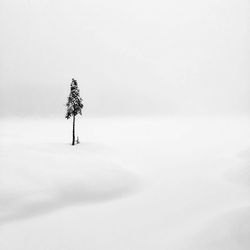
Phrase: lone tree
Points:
(74, 105)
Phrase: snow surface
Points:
(177, 183)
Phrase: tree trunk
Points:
(73, 139)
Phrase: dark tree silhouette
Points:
(74, 105)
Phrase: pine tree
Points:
(74, 105)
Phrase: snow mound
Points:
(229, 231)
(45, 177)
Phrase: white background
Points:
(129, 57)
(164, 156)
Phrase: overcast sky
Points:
(129, 57)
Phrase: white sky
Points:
(129, 57)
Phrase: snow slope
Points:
(179, 183)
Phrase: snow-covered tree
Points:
(74, 105)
